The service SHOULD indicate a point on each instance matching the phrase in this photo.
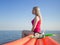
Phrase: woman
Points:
(37, 21)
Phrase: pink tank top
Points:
(37, 29)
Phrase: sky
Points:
(17, 14)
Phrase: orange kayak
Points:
(33, 41)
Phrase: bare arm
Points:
(35, 23)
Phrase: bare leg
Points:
(26, 33)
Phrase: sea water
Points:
(7, 36)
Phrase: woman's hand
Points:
(32, 29)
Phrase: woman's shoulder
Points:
(37, 17)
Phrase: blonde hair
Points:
(37, 11)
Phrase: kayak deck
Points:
(33, 41)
